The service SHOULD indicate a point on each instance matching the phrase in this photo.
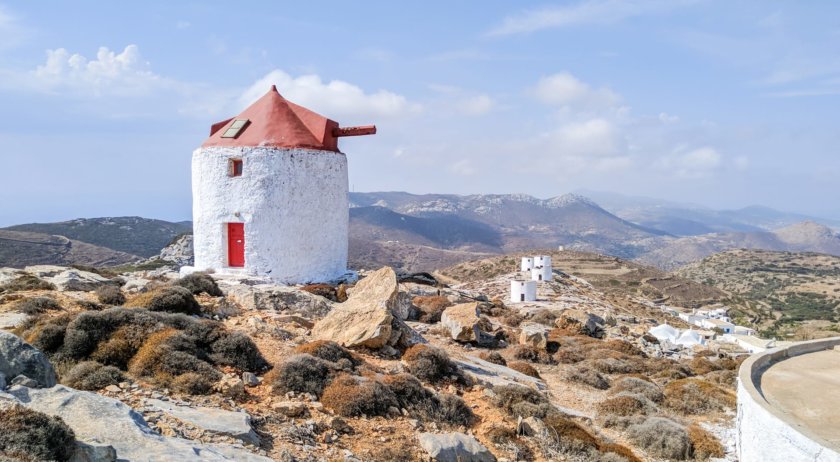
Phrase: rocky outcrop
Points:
(536, 335)
(454, 447)
(68, 279)
(235, 424)
(101, 421)
(179, 251)
(582, 322)
(491, 375)
(461, 321)
(367, 318)
(20, 360)
(278, 298)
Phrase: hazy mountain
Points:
(691, 220)
(20, 248)
(133, 235)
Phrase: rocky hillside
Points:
(783, 293)
(217, 369)
(19, 249)
(134, 235)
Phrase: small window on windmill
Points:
(235, 128)
(235, 167)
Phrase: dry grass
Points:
(696, 396)
(587, 376)
(351, 396)
(525, 368)
(704, 444)
(661, 437)
(623, 405)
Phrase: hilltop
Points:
(783, 293)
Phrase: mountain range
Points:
(425, 232)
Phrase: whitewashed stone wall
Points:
(764, 434)
(518, 288)
(293, 203)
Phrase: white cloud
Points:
(463, 167)
(592, 138)
(125, 73)
(477, 105)
(333, 99)
(581, 13)
(696, 163)
(563, 89)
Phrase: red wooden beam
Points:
(354, 131)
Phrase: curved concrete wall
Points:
(764, 433)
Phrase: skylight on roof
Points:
(235, 128)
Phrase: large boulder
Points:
(277, 298)
(367, 318)
(454, 447)
(214, 420)
(536, 335)
(102, 421)
(582, 322)
(18, 358)
(68, 279)
(465, 324)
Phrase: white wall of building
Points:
(293, 203)
(527, 264)
(523, 291)
(542, 268)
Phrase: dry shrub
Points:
(616, 366)
(119, 348)
(45, 333)
(323, 290)
(726, 378)
(661, 437)
(587, 376)
(513, 320)
(619, 450)
(430, 364)
(237, 350)
(328, 351)
(424, 404)
(493, 357)
(431, 307)
(26, 282)
(301, 373)
(35, 435)
(524, 368)
(570, 355)
(623, 405)
(702, 366)
(704, 444)
(532, 354)
(695, 396)
(621, 346)
(199, 282)
(520, 401)
(37, 305)
(173, 299)
(400, 450)
(638, 386)
(92, 376)
(110, 295)
(192, 383)
(451, 409)
(570, 435)
(351, 396)
(499, 433)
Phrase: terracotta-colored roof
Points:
(277, 122)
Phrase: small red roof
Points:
(277, 122)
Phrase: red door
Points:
(236, 244)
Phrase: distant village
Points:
(713, 324)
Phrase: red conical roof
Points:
(276, 122)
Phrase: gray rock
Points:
(8, 275)
(586, 323)
(2, 381)
(68, 279)
(536, 335)
(531, 426)
(454, 447)
(11, 319)
(283, 299)
(235, 424)
(250, 379)
(179, 252)
(90, 453)
(490, 375)
(20, 358)
(25, 381)
(102, 421)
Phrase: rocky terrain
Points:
(784, 294)
(148, 366)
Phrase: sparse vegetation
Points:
(110, 295)
(37, 305)
(493, 357)
(198, 283)
(430, 364)
(171, 299)
(352, 396)
(661, 437)
(638, 386)
(703, 443)
(26, 282)
(301, 373)
(525, 368)
(32, 434)
(695, 396)
(588, 376)
(91, 375)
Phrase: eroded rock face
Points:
(18, 358)
(462, 322)
(454, 447)
(235, 424)
(585, 323)
(367, 318)
(101, 421)
(534, 334)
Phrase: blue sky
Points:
(719, 103)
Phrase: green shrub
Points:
(430, 364)
(301, 373)
(37, 305)
(91, 375)
(197, 283)
(35, 435)
(110, 295)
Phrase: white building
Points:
(270, 195)
(724, 326)
(542, 268)
(527, 264)
(523, 291)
